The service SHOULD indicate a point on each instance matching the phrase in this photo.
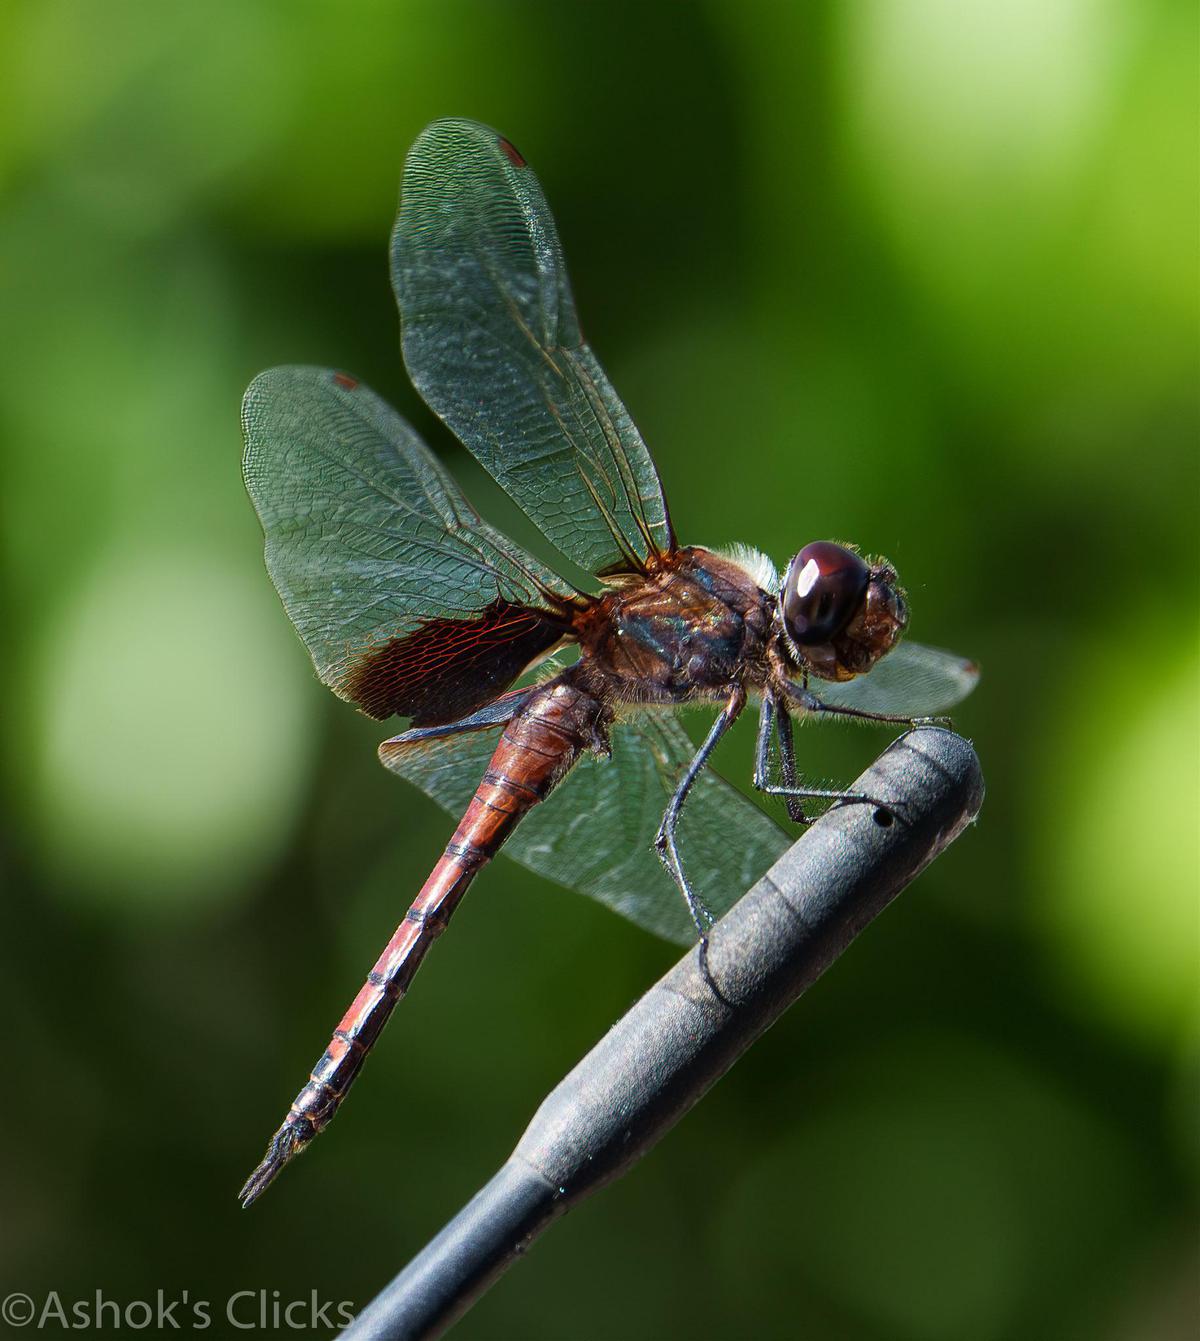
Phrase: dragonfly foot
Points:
(714, 987)
(858, 799)
(702, 958)
(287, 1142)
(886, 813)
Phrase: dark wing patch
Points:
(402, 593)
(446, 668)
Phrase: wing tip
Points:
(451, 133)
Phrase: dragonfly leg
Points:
(803, 698)
(664, 841)
(775, 714)
(787, 765)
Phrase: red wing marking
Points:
(446, 668)
(510, 152)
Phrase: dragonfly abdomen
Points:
(537, 749)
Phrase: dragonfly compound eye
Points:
(823, 589)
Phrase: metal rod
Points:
(689, 1029)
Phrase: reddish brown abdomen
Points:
(538, 747)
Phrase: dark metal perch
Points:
(689, 1028)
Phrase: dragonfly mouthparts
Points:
(286, 1143)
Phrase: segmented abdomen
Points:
(538, 747)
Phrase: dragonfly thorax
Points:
(687, 631)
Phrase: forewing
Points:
(911, 681)
(407, 600)
(492, 342)
(595, 832)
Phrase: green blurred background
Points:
(920, 273)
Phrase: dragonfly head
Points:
(840, 612)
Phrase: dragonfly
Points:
(412, 605)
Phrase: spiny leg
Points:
(664, 840)
(787, 763)
(790, 791)
(803, 698)
(773, 714)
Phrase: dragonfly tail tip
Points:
(285, 1144)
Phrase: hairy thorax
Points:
(688, 630)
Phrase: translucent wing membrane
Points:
(911, 681)
(407, 600)
(492, 342)
(595, 833)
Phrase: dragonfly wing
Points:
(911, 681)
(406, 599)
(595, 832)
(493, 344)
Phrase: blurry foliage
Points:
(917, 273)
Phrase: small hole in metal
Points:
(884, 818)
